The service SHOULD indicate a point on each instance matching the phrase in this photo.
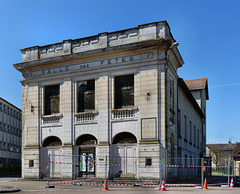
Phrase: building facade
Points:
(10, 136)
(115, 95)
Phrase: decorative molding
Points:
(149, 141)
(103, 143)
(27, 147)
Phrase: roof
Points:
(221, 147)
(10, 104)
(198, 84)
(236, 152)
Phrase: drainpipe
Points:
(177, 122)
(202, 135)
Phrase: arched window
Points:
(52, 141)
(124, 137)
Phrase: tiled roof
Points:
(236, 152)
(222, 147)
(198, 84)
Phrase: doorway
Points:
(52, 152)
(124, 155)
(86, 155)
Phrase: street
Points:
(40, 187)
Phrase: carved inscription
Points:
(54, 70)
(116, 60)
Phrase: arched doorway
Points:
(52, 157)
(86, 145)
(124, 146)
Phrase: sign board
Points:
(165, 161)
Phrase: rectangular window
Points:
(52, 99)
(198, 138)
(31, 163)
(185, 126)
(0, 126)
(194, 135)
(179, 124)
(171, 94)
(0, 106)
(172, 113)
(124, 91)
(190, 160)
(190, 132)
(86, 96)
(148, 162)
(186, 162)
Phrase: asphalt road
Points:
(39, 187)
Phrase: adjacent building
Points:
(236, 158)
(10, 135)
(220, 153)
(113, 98)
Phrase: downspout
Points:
(202, 135)
(177, 122)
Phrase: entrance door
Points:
(53, 155)
(87, 161)
(125, 159)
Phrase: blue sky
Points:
(207, 30)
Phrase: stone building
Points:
(114, 94)
(236, 158)
(10, 137)
(220, 153)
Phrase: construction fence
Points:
(89, 169)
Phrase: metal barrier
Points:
(96, 170)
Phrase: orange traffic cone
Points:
(232, 185)
(105, 188)
(205, 184)
(163, 186)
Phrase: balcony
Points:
(51, 119)
(85, 116)
(122, 114)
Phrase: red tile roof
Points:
(198, 84)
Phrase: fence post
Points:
(160, 176)
(105, 168)
(74, 162)
(202, 173)
(48, 172)
(228, 174)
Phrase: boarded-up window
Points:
(124, 91)
(52, 99)
(86, 96)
